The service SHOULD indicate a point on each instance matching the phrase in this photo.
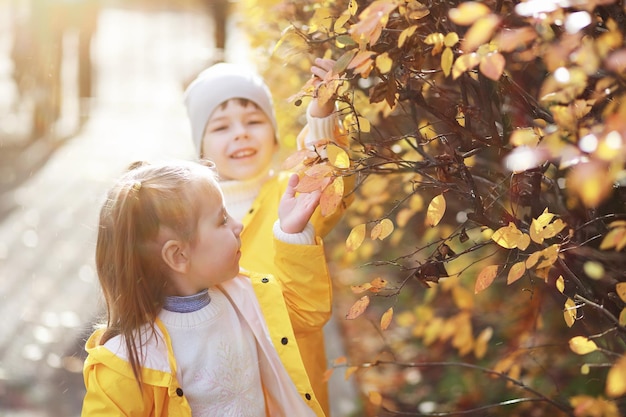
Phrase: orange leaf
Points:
(485, 278)
(378, 284)
(355, 238)
(331, 197)
(319, 170)
(516, 272)
(361, 58)
(385, 320)
(436, 210)
(382, 229)
(509, 40)
(340, 360)
(337, 156)
(350, 371)
(492, 66)
(308, 184)
(358, 308)
(327, 374)
(375, 397)
(358, 289)
(297, 158)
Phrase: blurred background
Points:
(86, 87)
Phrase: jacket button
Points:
(265, 280)
(179, 392)
(284, 340)
(307, 396)
(251, 211)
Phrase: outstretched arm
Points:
(295, 211)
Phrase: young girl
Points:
(187, 332)
(233, 124)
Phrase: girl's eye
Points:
(225, 219)
(218, 128)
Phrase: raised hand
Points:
(294, 211)
(320, 68)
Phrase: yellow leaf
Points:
(364, 125)
(446, 61)
(464, 63)
(560, 284)
(384, 63)
(554, 228)
(508, 237)
(406, 34)
(622, 317)
(337, 156)
(385, 320)
(331, 197)
(352, 369)
(594, 270)
(492, 65)
(569, 312)
(533, 259)
(355, 238)
(468, 12)
(549, 255)
(375, 397)
(382, 229)
(516, 272)
(482, 342)
(485, 278)
(616, 378)
(353, 7)
(436, 210)
(620, 288)
(463, 298)
(358, 307)
(451, 39)
(524, 137)
(614, 239)
(480, 32)
(582, 345)
(509, 40)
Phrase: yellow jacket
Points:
(258, 254)
(302, 292)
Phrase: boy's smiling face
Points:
(240, 139)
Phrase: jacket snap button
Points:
(179, 392)
(251, 210)
(307, 396)
(284, 340)
(265, 280)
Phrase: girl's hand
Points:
(320, 68)
(294, 211)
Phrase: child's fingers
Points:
(290, 192)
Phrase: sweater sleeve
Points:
(306, 237)
(320, 129)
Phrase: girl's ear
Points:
(175, 256)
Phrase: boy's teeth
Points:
(242, 154)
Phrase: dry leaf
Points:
(436, 210)
(358, 308)
(582, 345)
(485, 278)
(355, 238)
(385, 320)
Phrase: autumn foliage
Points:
(486, 242)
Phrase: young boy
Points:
(233, 124)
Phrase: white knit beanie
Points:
(217, 84)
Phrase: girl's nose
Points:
(238, 227)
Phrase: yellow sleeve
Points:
(307, 289)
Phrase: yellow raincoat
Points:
(258, 255)
(300, 291)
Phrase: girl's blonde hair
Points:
(147, 201)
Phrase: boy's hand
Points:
(294, 211)
(320, 68)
